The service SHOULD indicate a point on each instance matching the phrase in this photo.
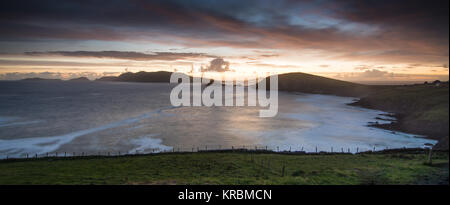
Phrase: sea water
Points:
(102, 117)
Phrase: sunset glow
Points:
(378, 41)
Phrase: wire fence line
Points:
(211, 148)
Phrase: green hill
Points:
(307, 83)
(420, 109)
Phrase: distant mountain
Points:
(307, 83)
(153, 77)
(107, 78)
(160, 76)
(41, 79)
(80, 79)
(142, 76)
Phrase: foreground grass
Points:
(229, 168)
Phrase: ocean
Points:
(101, 117)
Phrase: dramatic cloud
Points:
(328, 34)
(374, 73)
(374, 29)
(165, 56)
(217, 65)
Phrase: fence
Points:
(210, 148)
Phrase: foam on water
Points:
(332, 123)
(41, 145)
(148, 143)
(19, 123)
(4, 120)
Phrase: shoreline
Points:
(399, 126)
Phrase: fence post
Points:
(206, 147)
(282, 170)
(27, 155)
(192, 149)
(331, 149)
(266, 148)
(289, 148)
(342, 149)
(278, 149)
(430, 154)
(65, 154)
(35, 155)
(47, 154)
(357, 149)
(316, 149)
(232, 148)
(348, 151)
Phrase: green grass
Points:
(229, 168)
(307, 83)
(423, 109)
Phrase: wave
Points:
(148, 144)
(41, 145)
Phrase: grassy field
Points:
(230, 168)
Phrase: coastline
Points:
(419, 109)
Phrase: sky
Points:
(361, 41)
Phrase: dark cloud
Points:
(137, 56)
(373, 30)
